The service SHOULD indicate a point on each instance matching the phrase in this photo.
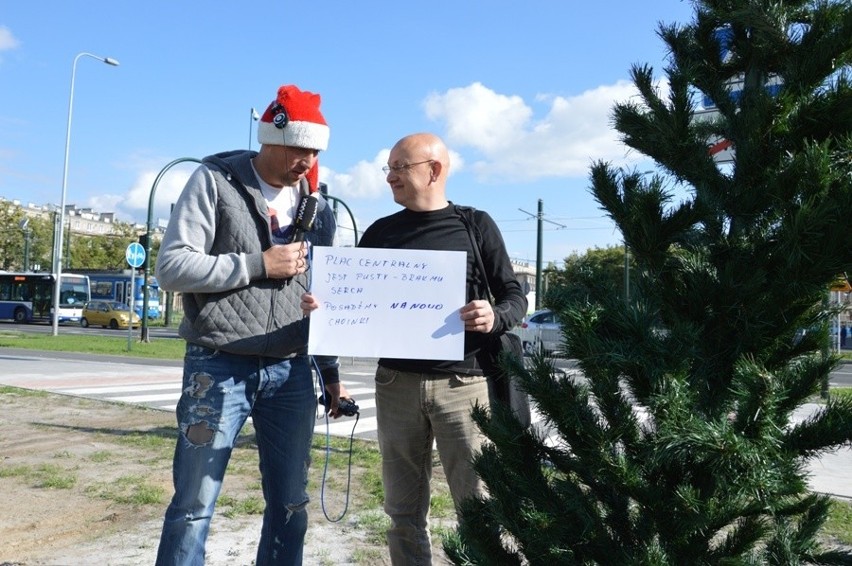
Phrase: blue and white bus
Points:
(114, 285)
(28, 297)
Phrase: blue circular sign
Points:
(135, 254)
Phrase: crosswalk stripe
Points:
(164, 396)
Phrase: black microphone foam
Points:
(306, 215)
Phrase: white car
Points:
(539, 331)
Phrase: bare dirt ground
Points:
(86, 482)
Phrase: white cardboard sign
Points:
(377, 302)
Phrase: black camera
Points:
(347, 407)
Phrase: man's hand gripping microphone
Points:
(346, 407)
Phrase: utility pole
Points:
(539, 248)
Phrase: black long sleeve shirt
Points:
(444, 230)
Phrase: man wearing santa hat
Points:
(236, 248)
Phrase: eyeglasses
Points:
(399, 168)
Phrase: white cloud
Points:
(479, 117)
(7, 40)
(513, 144)
(134, 202)
(365, 179)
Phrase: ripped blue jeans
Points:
(220, 392)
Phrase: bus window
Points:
(102, 289)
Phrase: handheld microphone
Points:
(306, 215)
(347, 407)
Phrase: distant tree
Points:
(41, 243)
(598, 270)
(105, 251)
(678, 445)
(11, 237)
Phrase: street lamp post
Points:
(253, 117)
(57, 254)
(25, 226)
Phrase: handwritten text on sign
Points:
(387, 303)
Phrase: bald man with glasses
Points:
(421, 402)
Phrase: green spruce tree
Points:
(677, 446)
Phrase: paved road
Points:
(71, 328)
(157, 383)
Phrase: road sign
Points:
(720, 149)
(135, 254)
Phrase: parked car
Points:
(539, 331)
(110, 314)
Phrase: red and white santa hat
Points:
(294, 119)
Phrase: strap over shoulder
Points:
(467, 215)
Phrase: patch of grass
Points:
(365, 453)
(841, 392)
(839, 523)
(164, 348)
(15, 471)
(130, 490)
(323, 558)
(375, 525)
(101, 456)
(251, 505)
(51, 476)
(367, 555)
(19, 392)
(225, 500)
(442, 532)
(371, 485)
(63, 454)
(148, 441)
(441, 504)
(145, 494)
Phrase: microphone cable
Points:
(357, 414)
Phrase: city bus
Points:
(28, 297)
(114, 285)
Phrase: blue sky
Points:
(521, 93)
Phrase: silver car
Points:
(539, 331)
